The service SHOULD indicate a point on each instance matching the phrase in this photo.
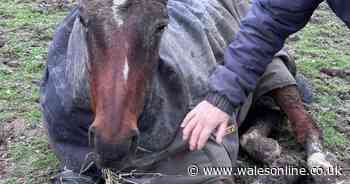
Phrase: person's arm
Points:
(262, 34)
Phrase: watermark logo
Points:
(194, 170)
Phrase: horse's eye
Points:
(83, 21)
(160, 29)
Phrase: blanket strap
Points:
(231, 142)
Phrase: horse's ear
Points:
(83, 11)
(165, 2)
(82, 4)
(88, 7)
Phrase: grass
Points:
(322, 44)
(32, 161)
(27, 47)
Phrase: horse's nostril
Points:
(135, 133)
(134, 140)
(92, 133)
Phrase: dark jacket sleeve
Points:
(262, 34)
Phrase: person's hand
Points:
(203, 120)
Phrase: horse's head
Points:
(123, 39)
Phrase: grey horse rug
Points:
(191, 47)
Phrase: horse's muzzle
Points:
(112, 155)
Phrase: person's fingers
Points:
(221, 132)
(186, 132)
(203, 138)
(195, 136)
(188, 117)
(201, 122)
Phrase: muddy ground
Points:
(26, 29)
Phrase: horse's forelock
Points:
(116, 9)
(119, 6)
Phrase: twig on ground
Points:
(23, 26)
(336, 72)
(11, 30)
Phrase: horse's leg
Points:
(305, 128)
(263, 149)
(255, 141)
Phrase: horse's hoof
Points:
(322, 170)
(318, 160)
(261, 148)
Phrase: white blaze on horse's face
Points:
(126, 70)
(118, 18)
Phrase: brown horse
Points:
(107, 75)
(123, 42)
(116, 81)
